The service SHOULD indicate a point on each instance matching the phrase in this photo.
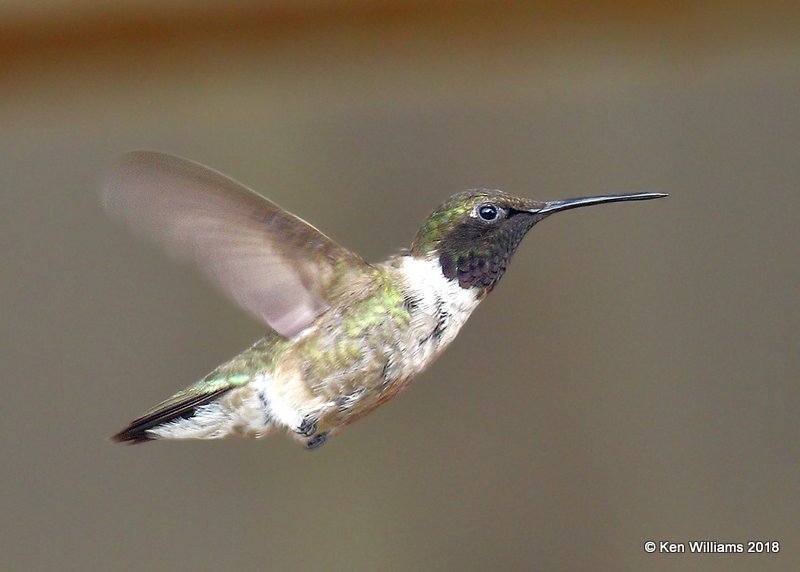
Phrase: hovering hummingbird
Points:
(345, 336)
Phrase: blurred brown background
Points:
(634, 376)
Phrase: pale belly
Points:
(393, 353)
(343, 367)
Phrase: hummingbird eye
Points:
(488, 212)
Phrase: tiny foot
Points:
(308, 427)
(317, 441)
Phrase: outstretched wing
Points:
(272, 263)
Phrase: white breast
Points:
(438, 308)
(442, 307)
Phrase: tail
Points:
(181, 406)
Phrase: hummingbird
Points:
(344, 336)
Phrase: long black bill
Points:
(566, 204)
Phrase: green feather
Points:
(235, 373)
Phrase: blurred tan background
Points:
(633, 377)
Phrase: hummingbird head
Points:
(475, 233)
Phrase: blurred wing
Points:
(272, 263)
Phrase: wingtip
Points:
(120, 168)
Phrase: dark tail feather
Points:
(170, 410)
